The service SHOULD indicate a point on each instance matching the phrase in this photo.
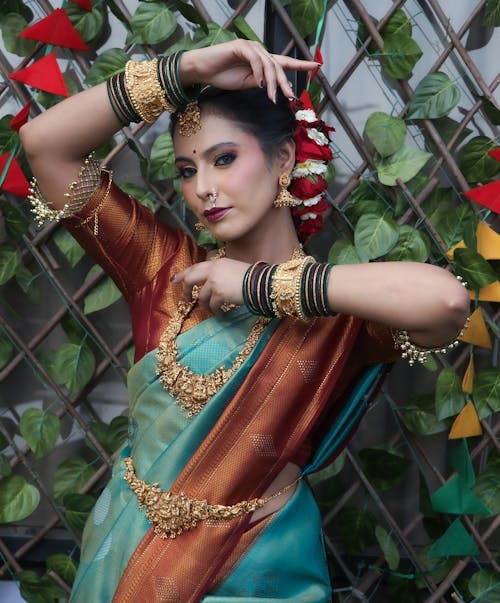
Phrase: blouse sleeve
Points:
(376, 343)
(124, 237)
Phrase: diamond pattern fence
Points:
(410, 86)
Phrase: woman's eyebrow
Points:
(209, 151)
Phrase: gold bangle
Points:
(144, 89)
(285, 288)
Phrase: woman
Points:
(226, 405)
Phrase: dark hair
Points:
(271, 124)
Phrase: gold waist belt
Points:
(173, 514)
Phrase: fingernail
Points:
(275, 97)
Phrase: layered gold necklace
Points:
(193, 390)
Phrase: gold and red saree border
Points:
(262, 428)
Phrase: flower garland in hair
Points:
(312, 154)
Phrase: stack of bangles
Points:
(297, 288)
(148, 88)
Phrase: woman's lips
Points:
(215, 213)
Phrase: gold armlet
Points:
(79, 193)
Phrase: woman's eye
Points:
(186, 172)
(225, 159)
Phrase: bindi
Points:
(194, 151)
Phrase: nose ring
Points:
(212, 197)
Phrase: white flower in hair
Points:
(311, 166)
(306, 115)
(309, 216)
(317, 136)
(311, 201)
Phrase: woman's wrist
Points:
(187, 69)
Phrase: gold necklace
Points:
(193, 390)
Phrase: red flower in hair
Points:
(318, 208)
(303, 188)
(309, 227)
(306, 148)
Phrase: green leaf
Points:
(244, 29)
(5, 468)
(77, 508)
(37, 589)
(402, 590)
(191, 14)
(471, 266)
(139, 193)
(71, 475)
(47, 99)
(419, 415)
(385, 468)
(385, 132)
(73, 366)
(63, 566)
(487, 489)
(355, 528)
(452, 222)
(400, 56)
(397, 24)
(15, 222)
(162, 158)
(484, 585)
(152, 23)
(108, 63)
(111, 436)
(8, 136)
(343, 252)
(27, 282)
(486, 392)
(9, 261)
(491, 14)
(6, 351)
(449, 397)
(415, 186)
(40, 429)
(362, 207)
(216, 35)
(435, 96)
(88, 24)
(375, 235)
(68, 246)
(437, 569)
(306, 15)
(388, 547)
(18, 499)
(11, 25)
(475, 163)
(412, 246)
(362, 35)
(12, 6)
(103, 295)
(404, 165)
(492, 112)
(130, 353)
(325, 474)
(72, 328)
(447, 127)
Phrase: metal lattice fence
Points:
(65, 341)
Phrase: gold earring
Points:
(199, 226)
(284, 198)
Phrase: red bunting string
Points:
(55, 29)
(15, 181)
(43, 74)
(487, 195)
(21, 118)
(306, 100)
(318, 57)
(84, 4)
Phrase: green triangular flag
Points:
(462, 463)
(455, 497)
(455, 542)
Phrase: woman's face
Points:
(223, 158)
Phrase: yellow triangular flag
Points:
(490, 293)
(466, 424)
(477, 331)
(488, 242)
(451, 250)
(468, 380)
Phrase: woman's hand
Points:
(221, 282)
(240, 64)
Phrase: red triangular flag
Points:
(21, 118)
(306, 100)
(495, 153)
(15, 181)
(43, 74)
(84, 4)
(55, 29)
(487, 195)
(318, 57)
